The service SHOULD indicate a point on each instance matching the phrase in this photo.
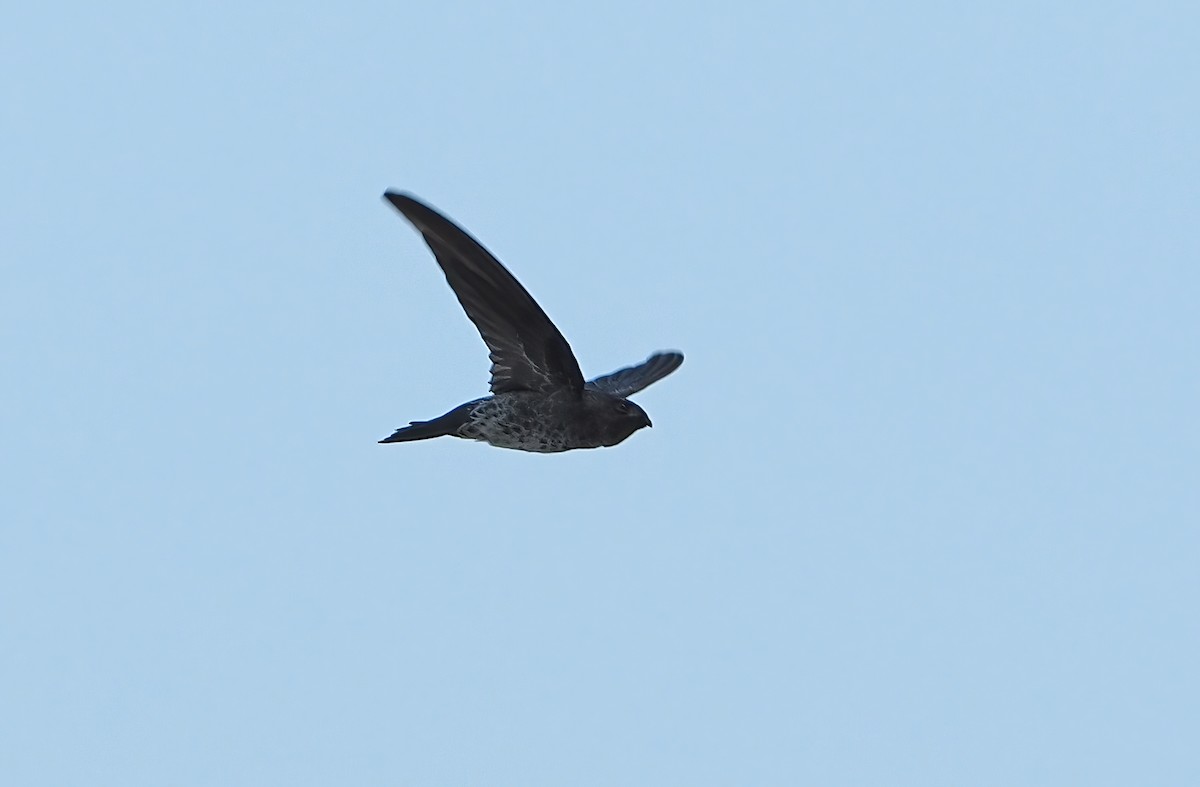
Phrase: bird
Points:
(539, 400)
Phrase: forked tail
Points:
(441, 426)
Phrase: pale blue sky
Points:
(919, 509)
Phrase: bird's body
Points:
(530, 421)
(539, 400)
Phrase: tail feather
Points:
(441, 426)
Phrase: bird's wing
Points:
(628, 381)
(528, 353)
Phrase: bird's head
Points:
(622, 418)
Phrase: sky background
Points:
(920, 508)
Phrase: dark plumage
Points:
(539, 399)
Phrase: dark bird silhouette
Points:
(539, 399)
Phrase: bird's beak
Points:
(648, 422)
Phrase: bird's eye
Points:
(622, 407)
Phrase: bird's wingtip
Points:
(672, 356)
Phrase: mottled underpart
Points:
(517, 421)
